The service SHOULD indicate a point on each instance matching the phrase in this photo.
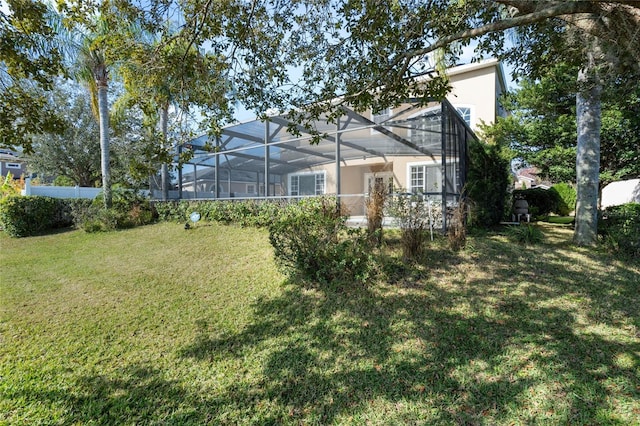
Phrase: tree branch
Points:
(556, 10)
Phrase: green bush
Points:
(487, 183)
(129, 209)
(23, 216)
(310, 240)
(526, 234)
(567, 197)
(619, 227)
(541, 201)
(241, 212)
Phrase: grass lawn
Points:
(158, 325)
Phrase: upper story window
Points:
(381, 116)
(465, 113)
(13, 165)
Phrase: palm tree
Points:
(94, 72)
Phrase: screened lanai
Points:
(411, 149)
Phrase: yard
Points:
(158, 325)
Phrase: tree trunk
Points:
(164, 168)
(588, 111)
(103, 111)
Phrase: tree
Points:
(369, 53)
(159, 74)
(30, 59)
(75, 153)
(542, 126)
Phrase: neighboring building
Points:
(528, 178)
(420, 149)
(10, 162)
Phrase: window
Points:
(427, 177)
(251, 188)
(465, 113)
(13, 165)
(385, 179)
(306, 184)
(381, 116)
(427, 128)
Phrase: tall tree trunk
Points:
(164, 168)
(589, 118)
(103, 111)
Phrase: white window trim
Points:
(428, 163)
(472, 113)
(13, 165)
(314, 173)
(419, 164)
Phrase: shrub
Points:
(375, 212)
(412, 215)
(487, 183)
(129, 209)
(310, 239)
(526, 234)
(566, 198)
(24, 216)
(541, 201)
(457, 232)
(619, 227)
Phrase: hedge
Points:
(31, 215)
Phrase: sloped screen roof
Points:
(411, 130)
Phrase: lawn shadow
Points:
(491, 335)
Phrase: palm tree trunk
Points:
(103, 111)
(164, 168)
(589, 119)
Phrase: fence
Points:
(60, 191)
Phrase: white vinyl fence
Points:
(60, 191)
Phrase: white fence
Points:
(60, 191)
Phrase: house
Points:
(414, 148)
(11, 162)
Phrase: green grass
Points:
(562, 220)
(158, 325)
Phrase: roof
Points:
(244, 146)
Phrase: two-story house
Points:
(415, 148)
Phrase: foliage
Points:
(375, 204)
(129, 209)
(487, 183)
(310, 240)
(241, 212)
(566, 198)
(619, 227)
(541, 201)
(24, 216)
(10, 186)
(30, 58)
(74, 153)
(526, 234)
(541, 128)
(413, 215)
